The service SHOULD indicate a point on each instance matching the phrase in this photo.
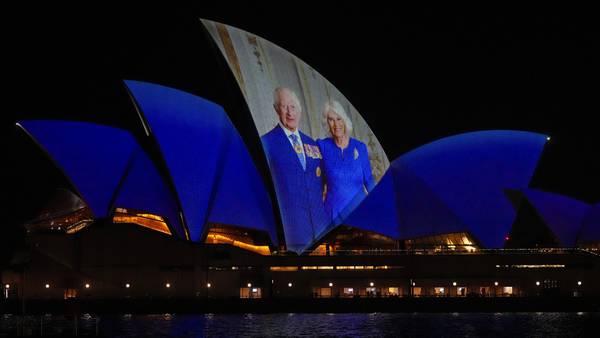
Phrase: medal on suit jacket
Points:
(355, 154)
(308, 151)
(298, 149)
(318, 171)
(312, 151)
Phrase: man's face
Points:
(288, 111)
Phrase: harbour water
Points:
(525, 324)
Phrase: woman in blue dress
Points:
(346, 166)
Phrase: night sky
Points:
(416, 75)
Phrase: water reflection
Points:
(544, 324)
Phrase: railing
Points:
(437, 251)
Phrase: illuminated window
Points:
(371, 292)
(416, 291)
(250, 292)
(460, 242)
(538, 266)
(386, 267)
(247, 239)
(461, 291)
(439, 291)
(348, 292)
(70, 293)
(484, 290)
(56, 219)
(320, 250)
(147, 220)
(345, 239)
(324, 292)
(284, 268)
(507, 290)
(393, 291)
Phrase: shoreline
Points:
(294, 305)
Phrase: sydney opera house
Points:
(189, 211)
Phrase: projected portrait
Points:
(323, 157)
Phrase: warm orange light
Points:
(149, 221)
(284, 268)
(78, 226)
(221, 239)
(321, 250)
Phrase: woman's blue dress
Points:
(347, 174)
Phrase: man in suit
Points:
(295, 163)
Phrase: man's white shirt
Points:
(297, 133)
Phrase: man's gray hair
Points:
(278, 90)
(336, 107)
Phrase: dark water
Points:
(581, 324)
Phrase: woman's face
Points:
(337, 127)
